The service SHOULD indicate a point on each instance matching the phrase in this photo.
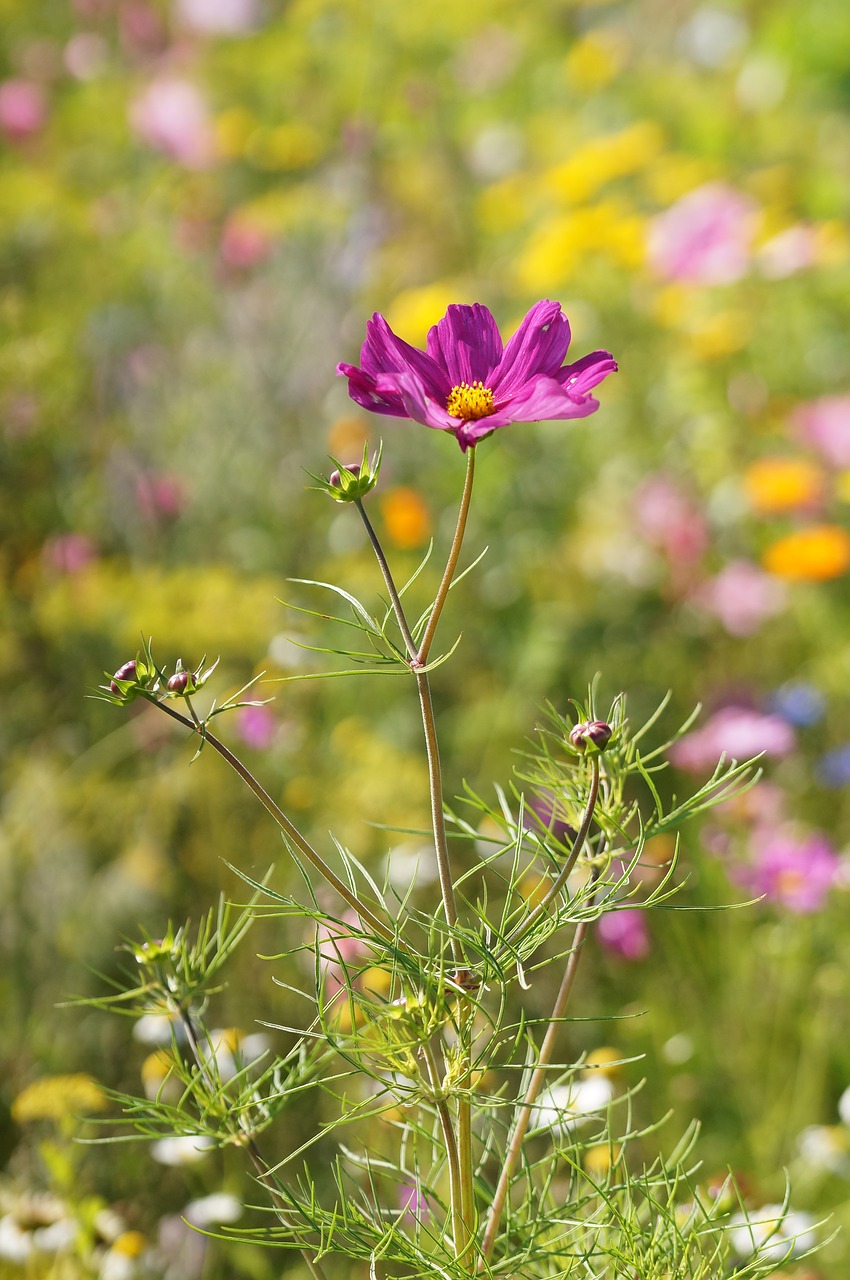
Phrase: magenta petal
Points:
(363, 391)
(466, 343)
(418, 403)
(538, 346)
(579, 378)
(544, 400)
(384, 352)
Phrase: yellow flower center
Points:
(470, 401)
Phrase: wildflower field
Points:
(202, 202)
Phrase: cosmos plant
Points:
(500, 1152)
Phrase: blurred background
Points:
(201, 202)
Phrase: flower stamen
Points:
(470, 401)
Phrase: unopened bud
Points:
(178, 683)
(590, 735)
(335, 479)
(127, 672)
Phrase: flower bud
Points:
(178, 683)
(349, 482)
(590, 735)
(127, 672)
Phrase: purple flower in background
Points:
(794, 872)
(825, 424)
(704, 238)
(742, 596)
(799, 703)
(69, 552)
(625, 933)
(834, 767)
(467, 382)
(735, 732)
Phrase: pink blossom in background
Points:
(69, 552)
(625, 933)
(668, 519)
(791, 251)
(742, 596)
(736, 732)
(171, 116)
(219, 17)
(795, 872)
(705, 238)
(160, 497)
(257, 727)
(339, 949)
(243, 243)
(23, 109)
(825, 424)
(412, 1202)
(141, 28)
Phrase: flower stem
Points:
(461, 1234)
(426, 704)
(291, 832)
(535, 1084)
(451, 563)
(578, 844)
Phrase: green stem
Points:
(451, 563)
(524, 1113)
(426, 705)
(460, 1231)
(555, 888)
(247, 1140)
(291, 832)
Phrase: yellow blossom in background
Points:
(504, 205)
(842, 486)
(594, 60)
(782, 484)
(832, 244)
(287, 146)
(233, 128)
(58, 1098)
(407, 521)
(599, 161)
(347, 436)
(533, 888)
(722, 334)
(673, 174)
(605, 1061)
(598, 1160)
(814, 554)
(559, 248)
(414, 311)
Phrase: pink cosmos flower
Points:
(171, 116)
(796, 872)
(736, 732)
(742, 596)
(625, 933)
(469, 383)
(706, 237)
(825, 424)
